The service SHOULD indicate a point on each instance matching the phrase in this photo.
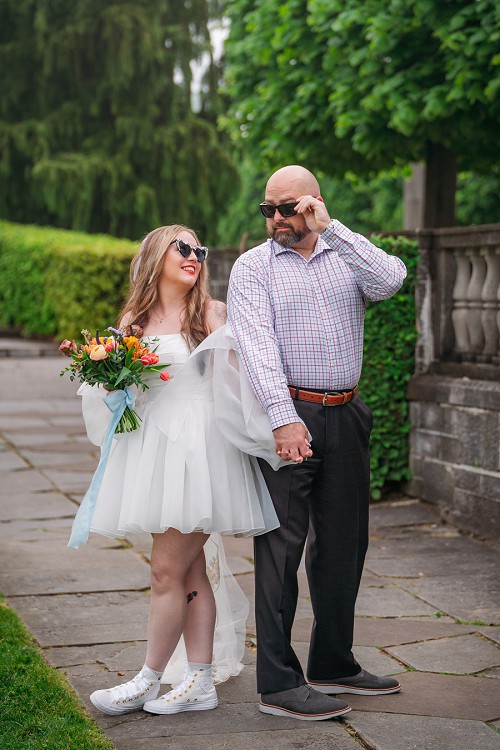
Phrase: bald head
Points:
(295, 180)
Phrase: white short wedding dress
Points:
(192, 465)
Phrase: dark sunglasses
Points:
(186, 249)
(285, 209)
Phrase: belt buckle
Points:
(325, 396)
(344, 395)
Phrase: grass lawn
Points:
(39, 710)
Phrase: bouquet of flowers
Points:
(117, 361)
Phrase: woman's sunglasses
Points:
(285, 209)
(186, 249)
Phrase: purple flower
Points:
(116, 331)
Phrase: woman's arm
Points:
(215, 315)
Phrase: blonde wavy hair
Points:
(145, 271)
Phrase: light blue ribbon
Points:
(116, 403)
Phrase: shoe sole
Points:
(265, 708)
(338, 689)
(110, 711)
(206, 706)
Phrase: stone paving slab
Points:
(35, 505)
(49, 441)
(478, 602)
(35, 530)
(390, 601)
(242, 717)
(424, 565)
(319, 738)
(405, 513)
(39, 570)
(127, 657)
(23, 482)
(463, 654)
(492, 633)
(81, 461)
(382, 632)
(10, 460)
(44, 406)
(390, 732)
(370, 631)
(395, 542)
(20, 384)
(15, 423)
(448, 696)
(70, 481)
(373, 659)
(68, 620)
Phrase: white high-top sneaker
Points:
(196, 693)
(129, 696)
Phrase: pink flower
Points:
(67, 347)
(165, 375)
(146, 359)
(98, 352)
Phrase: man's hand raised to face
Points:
(292, 442)
(314, 212)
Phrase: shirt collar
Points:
(278, 249)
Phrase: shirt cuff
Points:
(335, 230)
(281, 414)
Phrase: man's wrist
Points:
(282, 414)
(325, 225)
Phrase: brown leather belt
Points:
(328, 398)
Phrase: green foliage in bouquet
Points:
(389, 362)
(50, 279)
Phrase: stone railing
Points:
(455, 392)
(458, 299)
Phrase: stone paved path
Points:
(428, 610)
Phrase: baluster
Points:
(489, 295)
(459, 295)
(474, 303)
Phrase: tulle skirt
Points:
(192, 466)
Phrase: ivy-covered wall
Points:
(53, 283)
(388, 364)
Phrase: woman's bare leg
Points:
(173, 556)
(200, 618)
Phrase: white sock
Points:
(154, 671)
(205, 669)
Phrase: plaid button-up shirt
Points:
(300, 322)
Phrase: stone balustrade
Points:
(459, 305)
(476, 304)
(455, 392)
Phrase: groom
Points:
(296, 307)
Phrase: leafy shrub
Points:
(54, 282)
(389, 361)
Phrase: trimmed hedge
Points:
(388, 364)
(53, 283)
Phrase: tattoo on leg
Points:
(191, 596)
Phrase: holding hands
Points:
(292, 442)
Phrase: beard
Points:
(290, 237)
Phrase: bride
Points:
(184, 477)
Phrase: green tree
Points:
(365, 85)
(97, 127)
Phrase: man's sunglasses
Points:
(285, 209)
(186, 249)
